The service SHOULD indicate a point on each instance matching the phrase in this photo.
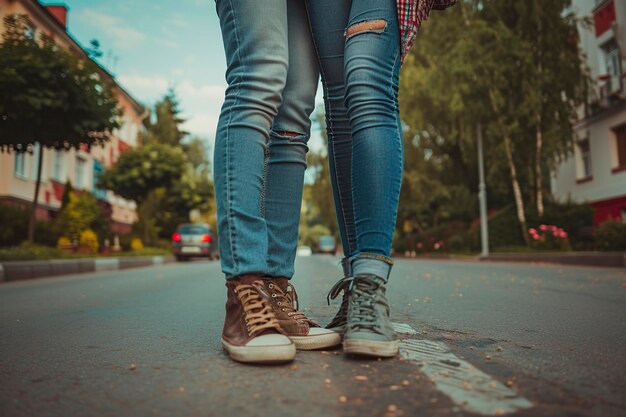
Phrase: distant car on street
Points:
(304, 251)
(327, 244)
(194, 240)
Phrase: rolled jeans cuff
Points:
(365, 263)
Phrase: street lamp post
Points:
(482, 194)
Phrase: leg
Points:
(328, 22)
(255, 40)
(284, 181)
(372, 65)
(290, 132)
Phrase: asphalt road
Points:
(478, 339)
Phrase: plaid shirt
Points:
(411, 14)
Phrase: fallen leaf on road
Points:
(394, 387)
(361, 378)
(343, 399)
(132, 367)
(392, 408)
(488, 357)
(405, 382)
(499, 349)
(181, 389)
(327, 381)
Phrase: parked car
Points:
(194, 240)
(327, 244)
(304, 251)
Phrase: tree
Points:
(80, 213)
(50, 98)
(556, 77)
(141, 171)
(164, 127)
(498, 63)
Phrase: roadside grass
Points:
(33, 252)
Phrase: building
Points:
(596, 173)
(18, 172)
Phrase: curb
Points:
(600, 259)
(20, 270)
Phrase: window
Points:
(80, 173)
(31, 30)
(98, 169)
(620, 145)
(19, 164)
(585, 159)
(613, 66)
(58, 166)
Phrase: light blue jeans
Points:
(262, 133)
(360, 76)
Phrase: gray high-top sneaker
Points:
(369, 331)
(340, 322)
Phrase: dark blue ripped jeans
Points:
(360, 68)
(272, 78)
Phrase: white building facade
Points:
(596, 172)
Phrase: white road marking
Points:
(467, 386)
(402, 329)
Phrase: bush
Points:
(575, 218)
(549, 237)
(64, 242)
(89, 239)
(30, 251)
(136, 244)
(504, 230)
(14, 230)
(610, 236)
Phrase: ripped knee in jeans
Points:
(374, 25)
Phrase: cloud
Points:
(200, 104)
(121, 35)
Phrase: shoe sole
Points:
(261, 354)
(319, 341)
(371, 348)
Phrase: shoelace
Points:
(341, 318)
(287, 303)
(258, 313)
(363, 301)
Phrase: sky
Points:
(152, 45)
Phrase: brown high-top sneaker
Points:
(251, 331)
(304, 332)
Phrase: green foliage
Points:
(79, 214)
(13, 230)
(67, 191)
(610, 236)
(498, 63)
(50, 96)
(30, 251)
(311, 236)
(549, 237)
(503, 230)
(164, 126)
(89, 239)
(141, 170)
(136, 244)
(575, 218)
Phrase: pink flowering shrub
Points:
(549, 237)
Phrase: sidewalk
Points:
(18, 270)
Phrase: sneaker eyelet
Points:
(280, 304)
(270, 286)
(273, 295)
